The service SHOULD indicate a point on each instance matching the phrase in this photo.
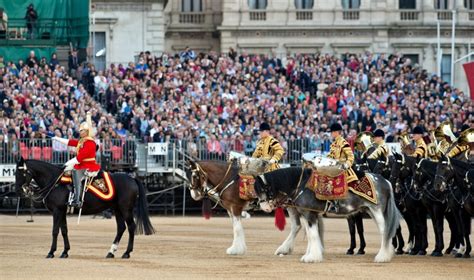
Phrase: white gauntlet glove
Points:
(61, 140)
(69, 165)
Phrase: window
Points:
(99, 44)
(257, 4)
(407, 4)
(469, 4)
(191, 6)
(350, 4)
(304, 4)
(441, 4)
(414, 58)
(446, 67)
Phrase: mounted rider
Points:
(420, 150)
(268, 148)
(341, 151)
(381, 152)
(84, 159)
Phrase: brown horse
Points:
(220, 182)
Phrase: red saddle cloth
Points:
(329, 188)
(102, 186)
(247, 187)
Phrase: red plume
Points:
(280, 219)
(206, 208)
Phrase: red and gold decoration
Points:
(247, 187)
(329, 188)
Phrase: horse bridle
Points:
(450, 168)
(26, 187)
(204, 179)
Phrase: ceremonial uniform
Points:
(380, 152)
(269, 148)
(457, 150)
(84, 159)
(341, 151)
(420, 150)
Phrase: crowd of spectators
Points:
(215, 102)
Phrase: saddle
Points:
(102, 185)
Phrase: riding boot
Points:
(77, 180)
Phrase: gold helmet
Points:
(364, 140)
(445, 129)
(466, 137)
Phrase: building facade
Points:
(122, 29)
(287, 27)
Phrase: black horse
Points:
(433, 200)
(128, 191)
(409, 204)
(452, 176)
(287, 187)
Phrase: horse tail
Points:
(392, 215)
(143, 219)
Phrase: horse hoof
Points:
(350, 252)
(361, 252)
(413, 253)
(436, 254)
(448, 251)
(458, 255)
(466, 256)
(50, 256)
(421, 253)
(64, 256)
(125, 256)
(399, 252)
(110, 256)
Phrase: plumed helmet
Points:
(418, 130)
(379, 133)
(264, 126)
(336, 127)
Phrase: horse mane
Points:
(286, 179)
(465, 166)
(429, 167)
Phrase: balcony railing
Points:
(195, 18)
(409, 15)
(445, 15)
(350, 15)
(258, 16)
(304, 15)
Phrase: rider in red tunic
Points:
(84, 159)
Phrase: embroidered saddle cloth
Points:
(102, 185)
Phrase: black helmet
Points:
(336, 127)
(379, 133)
(264, 126)
(418, 130)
